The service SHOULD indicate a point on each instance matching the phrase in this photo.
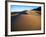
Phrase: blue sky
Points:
(16, 8)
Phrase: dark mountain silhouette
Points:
(38, 9)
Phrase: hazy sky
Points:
(16, 8)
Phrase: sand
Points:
(25, 22)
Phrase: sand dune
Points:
(30, 21)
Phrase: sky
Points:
(17, 8)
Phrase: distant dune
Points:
(25, 12)
(18, 13)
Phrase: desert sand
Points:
(30, 21)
